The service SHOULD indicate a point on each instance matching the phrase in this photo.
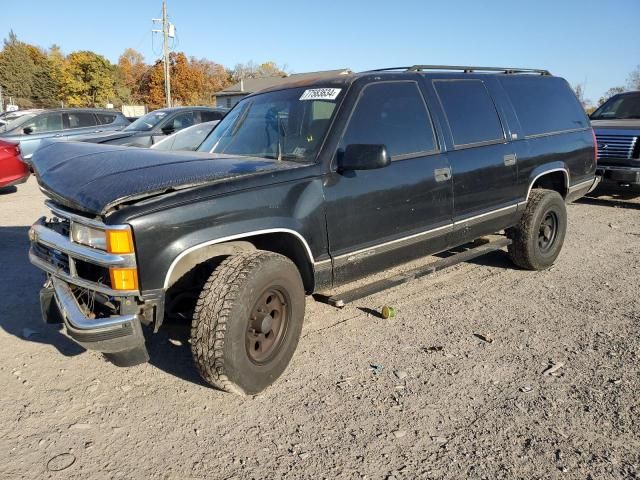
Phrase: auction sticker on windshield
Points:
(321, 94)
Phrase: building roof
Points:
(252, 85)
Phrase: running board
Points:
(341, 299)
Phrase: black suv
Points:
(156, 125)
(617, 127)
(301, 188)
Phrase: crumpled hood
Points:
(94, 178)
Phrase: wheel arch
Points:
(554, 177)
(284, 241)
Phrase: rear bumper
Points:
(619, 174)
(120, 334)
(10, 182)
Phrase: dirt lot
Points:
(446, 404)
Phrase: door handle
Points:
(509, 159)
(442, 174)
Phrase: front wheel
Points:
(538, 237)
(247, 321)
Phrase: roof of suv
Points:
(346, 79)
(199, 107)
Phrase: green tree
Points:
(87, 79)
(253, 70)
(17, 70)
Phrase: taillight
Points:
(595, 146)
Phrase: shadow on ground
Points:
(20, 283)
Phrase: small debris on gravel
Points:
(553, 368)
(400, 374)
(61, 462)
(526, 389)
(376, 368)
(485, 337)
(434, 349)
(399, 433)
(27, 333)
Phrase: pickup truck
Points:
(617, 127)
(299, 189)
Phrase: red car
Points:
(12, 169)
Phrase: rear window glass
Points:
(106, 118)
(470, 111)
(392, 114)
(544, 104)
(80, 119)
(208, 116)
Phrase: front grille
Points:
(57, 259)
(616, 146)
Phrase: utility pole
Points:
(168, 31)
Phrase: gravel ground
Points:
(443, 404)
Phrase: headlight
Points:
(91, 237)
(112, 241)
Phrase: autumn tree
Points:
(87, 79)
(130, 70)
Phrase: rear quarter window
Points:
(544, 104)
(470, 111)
(106, 118)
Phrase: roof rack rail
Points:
(465, 69)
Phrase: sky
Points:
(594, 43)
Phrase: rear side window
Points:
(80, 119)
(544, 104)
(470, 111)
(208, 116)
(393, 114)
(106, 118)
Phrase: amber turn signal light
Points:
(119, 241)
(124, 278)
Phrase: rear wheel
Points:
(247, 321)
(538, 238)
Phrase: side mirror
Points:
(364, 157)
(27, 130)
(168, 130)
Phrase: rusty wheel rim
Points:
(267, 325)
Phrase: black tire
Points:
(222, 329)
(538, 238)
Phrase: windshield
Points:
(286, 125)
(147, 122)
(188, 139)
(619, 107)
(13, 120)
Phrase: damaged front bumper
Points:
(95, 315)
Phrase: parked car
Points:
(156, 125)
(31, 128)
(13, 170)
(188, 139)
(617, 127)
(299, 189)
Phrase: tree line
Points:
(34, 77)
